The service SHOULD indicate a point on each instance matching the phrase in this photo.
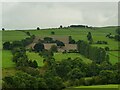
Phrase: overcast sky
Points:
(18, 15)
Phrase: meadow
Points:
(12, 35)
(7, 59)
(99, 86)
(96, 87)
(35, 56)
(60, 56)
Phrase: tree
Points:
(3, 29)
(53, 81)
(17, 44)
(117, 37)
(53, 33)
(48, 39)
(7, 45)
(75, 74)
(24, 81)
(39, 47)
(60, 43)
(61, 26)
(38, 28)
(71, 41)
(89, 36)
(28, 33)
(118, 30)
(107, 48)
(54, 48)
(35, 65)
(106, 66)
(107, 76)
(46, 53)
(63, 68)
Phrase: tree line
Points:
(23, 43)
(115, 37)
(96, 54)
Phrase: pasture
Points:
(35, 56)
(13, 35)
(95, 87)
(99, 86)
(7, 59)
(57, 56)
(60, 56)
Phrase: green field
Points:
(57, 56)
(95, 87)
(113, 56)
(35, 56)
(13, 35)
(7, 59)
(60, 56)
(99, 86)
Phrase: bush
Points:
(39, 47)
(107, 48)
(60, 43)
(52, 33)
(7, 45)
(73, 51)
(48, 40)
(38, 28)
(54, 48)
(75, 74)
(101, 42)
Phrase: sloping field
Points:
(7, 59)
(13, 35)
(96, 87)
(60, 56)
(99, 86)
(35, 56)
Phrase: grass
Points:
(35, 56)
(113, 57)
(57, 56)
(99, 86)
(13, 35)
(60, 56)
(95, 87)
(7, 59)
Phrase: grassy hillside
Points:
(35, 56)
(99, 86)
(80, 34)
(95, 87)
(13, 35)
(7, 59)
(60, 56)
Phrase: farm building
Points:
(47, 46)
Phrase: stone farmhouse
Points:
(64, 39)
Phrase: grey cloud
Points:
(30, 15)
